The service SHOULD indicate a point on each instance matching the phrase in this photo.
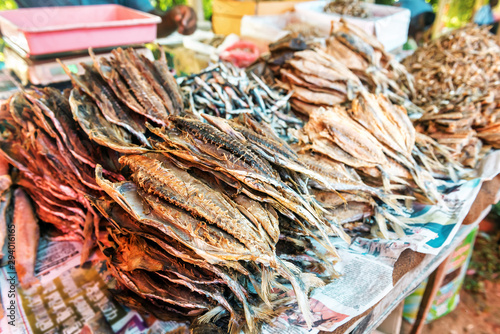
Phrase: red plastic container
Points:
(47, 30)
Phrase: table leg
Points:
(433, 285)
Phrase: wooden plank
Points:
(226, 25)
(408, 283)
(487, 196)
(431, 290)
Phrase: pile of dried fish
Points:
(219, 193)
(188, 215)
(317, 79)
(354, 8)
(55, 161)
(55, 142)
(487, 125)
(364, 55)
(226, 91)
(352, 60)
(458, 84)
(378, 140)
(465, 62)
(453, 126)
(205, 213)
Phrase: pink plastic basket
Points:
(47, 30)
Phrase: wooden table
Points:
(413, 268)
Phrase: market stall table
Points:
(414, 268)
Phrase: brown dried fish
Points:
(26, 241)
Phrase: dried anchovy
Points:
(225, 91)
(463, 62)
(457, 81)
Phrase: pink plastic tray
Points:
(47, 30)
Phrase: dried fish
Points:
(457, 84)
(26, 240)
(98, 128)
(191, 216)
(4, 205)
(354, 8)
(352, 60)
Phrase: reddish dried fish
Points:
(457, 84)
(27, 234)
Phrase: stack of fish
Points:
(219, 193)
(369, 199)
(378, 140)
(56, 142)
(457, 81)
(360, 205)
(452, 126)
(329, 76)
(317, 79)
(464, 62)
(364, 55)
(487, 125)
(206, 217)
(225, 91)
(55, 161)
(189, 215)
(114, 98)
